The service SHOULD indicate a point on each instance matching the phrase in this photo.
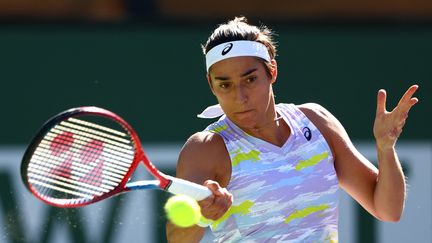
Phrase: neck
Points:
(271, 124)
(275, 132)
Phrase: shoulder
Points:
(204, 156)
(203, 141)
(319, 115)
(329, 126)
(312, 109)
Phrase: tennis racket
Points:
(87, 154)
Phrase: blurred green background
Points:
(153, 74)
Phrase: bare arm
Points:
(381, 192)
(203, 160)
(389, 195)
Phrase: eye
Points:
(224, 85)
(251, 79)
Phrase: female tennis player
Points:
(275, 169)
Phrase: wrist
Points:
(204, 222)
(386, 154)
(385, 146)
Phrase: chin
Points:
(245, 124)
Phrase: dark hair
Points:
(239, 29)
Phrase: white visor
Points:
(236, 49)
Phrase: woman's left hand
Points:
(388, 125)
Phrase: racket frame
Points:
(163, 181)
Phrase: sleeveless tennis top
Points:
(281, 194)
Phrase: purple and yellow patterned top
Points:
(281, 194)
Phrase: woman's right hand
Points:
(216, 205)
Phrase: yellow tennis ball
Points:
(183, 211)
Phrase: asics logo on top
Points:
(307, 133)
(227, 48)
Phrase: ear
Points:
(274, 70)
(210, 83)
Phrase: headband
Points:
(236, 49)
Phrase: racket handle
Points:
(184, 187)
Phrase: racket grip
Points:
(184, 187)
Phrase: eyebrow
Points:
(223, 78)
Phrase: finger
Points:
(406, 108)
(207, 202)
(407, 101)
(214, 187)
(227, 196)
(413, 101)
(407, 97)
(381, 101)
(222, 204)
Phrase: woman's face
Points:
(244, 90)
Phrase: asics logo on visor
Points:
(226, 49)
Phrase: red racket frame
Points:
(164, 181)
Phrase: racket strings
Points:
(84, 147)
(80, 160)
(44, 150)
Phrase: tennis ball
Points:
(183, 211)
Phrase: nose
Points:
(241, 94)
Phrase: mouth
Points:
(243, 112)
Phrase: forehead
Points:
(235, 66)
